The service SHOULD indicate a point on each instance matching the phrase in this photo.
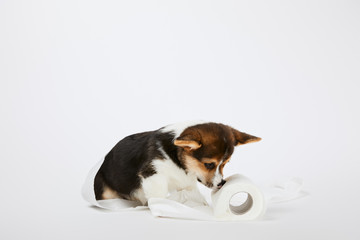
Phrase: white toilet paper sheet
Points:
(222, 207)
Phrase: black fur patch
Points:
(132, 158)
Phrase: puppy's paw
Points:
(191, 198)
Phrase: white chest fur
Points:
(176, 178)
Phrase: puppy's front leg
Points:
(155, 187)
(195, 196)
(190, 197)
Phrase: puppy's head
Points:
(206, 148)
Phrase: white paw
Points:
(189, 198)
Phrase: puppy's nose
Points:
(221, 183)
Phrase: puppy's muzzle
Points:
(221, 183)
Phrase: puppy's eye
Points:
(209, 165)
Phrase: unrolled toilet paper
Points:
(220, 209)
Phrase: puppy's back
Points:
(120, 169)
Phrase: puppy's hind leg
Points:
(99, 185)
(102, 191)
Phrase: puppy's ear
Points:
(187, 144)
(189, 140)
(243, 138)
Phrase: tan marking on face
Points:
(108, 193)
(198, 168)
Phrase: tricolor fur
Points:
(173, 158)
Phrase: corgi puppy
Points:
(173, 158)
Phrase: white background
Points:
(77, 76)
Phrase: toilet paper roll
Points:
(253, 207)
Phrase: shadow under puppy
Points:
(173, 158)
